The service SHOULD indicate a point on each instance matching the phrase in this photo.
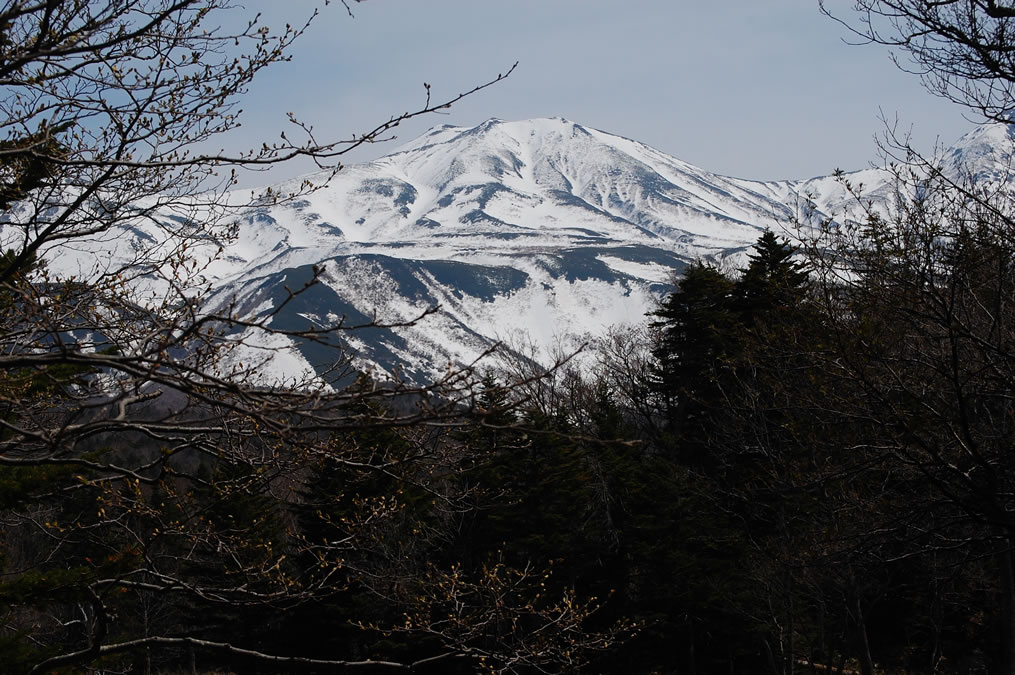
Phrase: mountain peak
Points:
(541, 224)
(986, 153)
(517, 129)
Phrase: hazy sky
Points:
(748, 88)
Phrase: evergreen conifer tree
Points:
(697, 340)
(772, 280)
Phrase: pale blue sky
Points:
(748, 88)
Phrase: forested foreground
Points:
(801, 464)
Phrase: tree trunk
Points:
(771, 657)
(866, 662)
(937, 618)
(1007, 660)
(146, 624)
(790, 661)
(821, 654)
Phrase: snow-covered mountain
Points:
(517, 231)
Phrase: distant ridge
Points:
(538, 227)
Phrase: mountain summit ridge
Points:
(539, 228)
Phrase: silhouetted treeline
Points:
(801, 465)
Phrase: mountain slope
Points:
(537, 228)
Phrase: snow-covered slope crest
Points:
(514, 185)
(538, 227)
